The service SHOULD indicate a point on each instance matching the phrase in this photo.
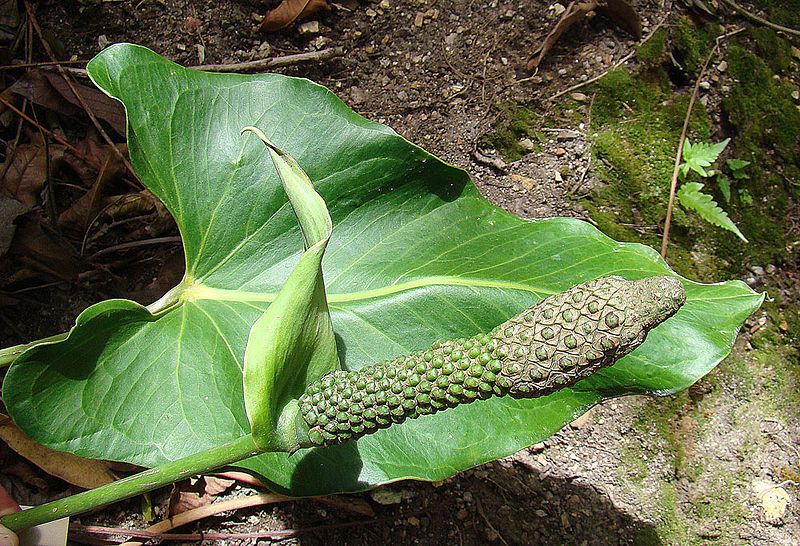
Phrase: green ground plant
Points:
(258, 360)
(699, 158)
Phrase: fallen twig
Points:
(274, 535)
(39, 64)
(494, 162)
(74, 90)
(274, 62)
(49, 133)
(202, 512)
(674, 183)
(752, 16)
(250, 66)
(134, 244)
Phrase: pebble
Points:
(358, 95)
(386, 496)
(705, 85)
(560, 152)
(580, 97)
(558, 9)
(527, 144)
(722, 66)
(310, 27)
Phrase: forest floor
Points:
(451, 77)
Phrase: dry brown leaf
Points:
(25, 474)
(78, 471)
(289, 11)
(92, 148)
(619, 11)
(48, 89)
(26, 171)
(215, 486)
(44, 250)
(624, 15)
(9, 210)
(83, 211)
(183, 501)
(119, 206)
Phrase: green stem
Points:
(8, 354)
(131, 486)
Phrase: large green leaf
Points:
(416, 254)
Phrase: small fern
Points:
(697, 157)
(703, 204)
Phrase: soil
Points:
(633, 470)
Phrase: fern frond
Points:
(703, 204)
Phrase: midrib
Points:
(197, 292)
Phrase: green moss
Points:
(637, 122)
(653, 51)
(766, 129)
(783, 12)
(672, 527)
(775, 51)
(514, 123)
(637, 127)
(691, 45)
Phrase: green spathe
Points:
(417, 255)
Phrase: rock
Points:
(774, 500)
(419, 19)
(580, 97)
(412, 520)
(358, 95)
(538, 448)
(527, 144)
(384, 4)
(310, 27)
(264, 49)
(386, 497)
(557, 9)
(581, 421)
(706, 85)
(722, 66)
(560, 152)
(757, 270)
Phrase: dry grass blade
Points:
(202, 512)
